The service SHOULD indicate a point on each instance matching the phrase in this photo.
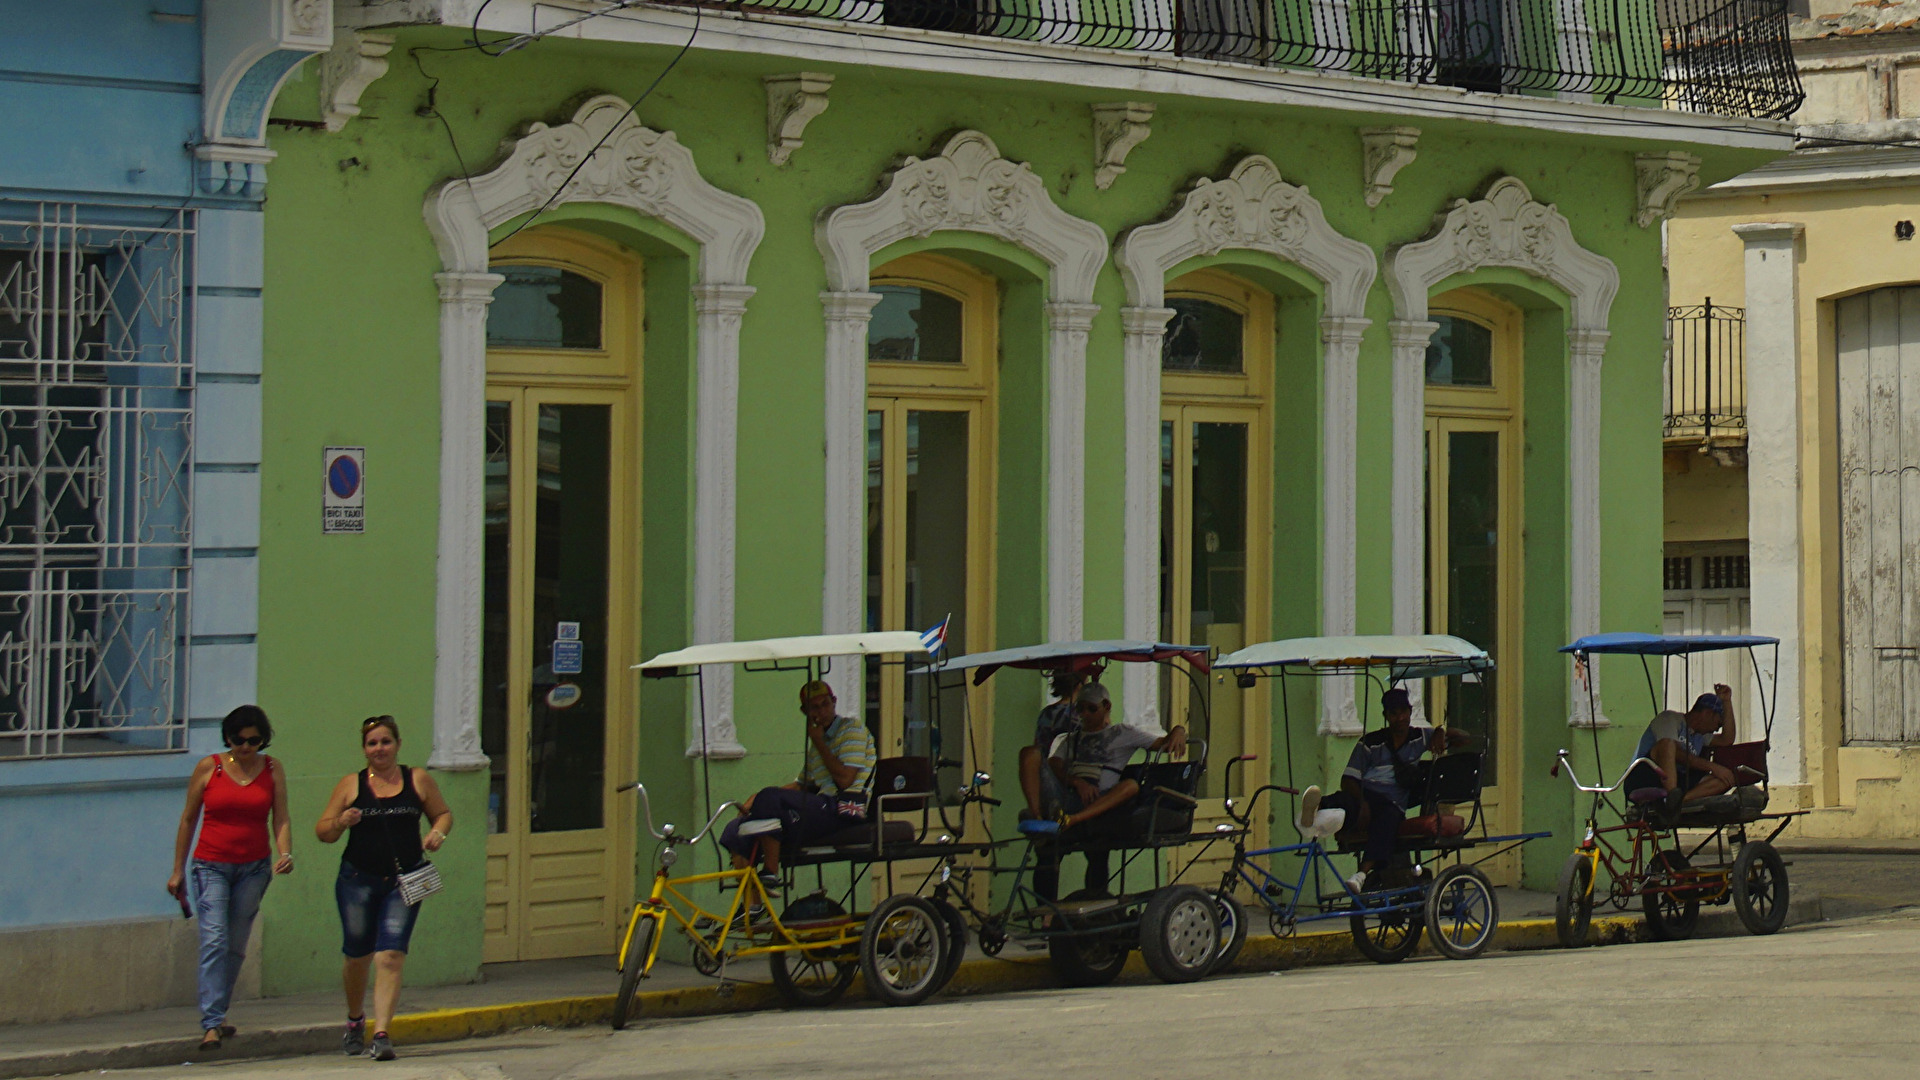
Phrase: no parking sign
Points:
(343, 496)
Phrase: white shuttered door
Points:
(1879, 383)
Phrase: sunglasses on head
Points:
(248, 740)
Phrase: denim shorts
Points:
(373, 917)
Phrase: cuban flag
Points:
(934, 641)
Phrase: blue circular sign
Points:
(343, 477)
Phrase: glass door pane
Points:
(935, 567)
(1472, 577)
(496, 626)
(1218, 570)
(877, 548)
(568, 718)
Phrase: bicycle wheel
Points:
(1760, 888)
(956, 939)
(630, 974)
(1671, 914)
(1573, 901)
(1233, 930)
(811, 978)
(1091, 957)
(903, 950)
(1462, 912)
(1385, 937)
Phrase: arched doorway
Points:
(560, 592)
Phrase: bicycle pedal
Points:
(725, 989)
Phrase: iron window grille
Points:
(1729, 57)
(96, 452)
(1706, 373)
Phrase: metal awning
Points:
(1071, 656)
(769, 650)
(1665, 644)
(1423, 656)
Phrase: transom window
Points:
(913, 324)
(545, 307)
(1460, 353)
(1205, 337)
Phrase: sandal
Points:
(228, 1031)
(210, 1040)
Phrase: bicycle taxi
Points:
(1645, 856)
(905, 946)
(1456, 904)
(1089, 932)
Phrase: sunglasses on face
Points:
(248, 741)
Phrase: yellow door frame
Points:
(1246, 398)
(894, 390)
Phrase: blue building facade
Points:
(132, 173)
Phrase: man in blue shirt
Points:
(1678, 743)
(1037, 781)
(1374, 790)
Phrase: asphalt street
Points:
(1828, 1000)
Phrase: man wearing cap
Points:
(1089, 764)
(1038, 782)
(1677, 744)
(1374, 791)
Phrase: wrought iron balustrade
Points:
(1706, 373)
(1729, 57)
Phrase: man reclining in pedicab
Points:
(1384, 776)
(1677, 745)
(1086, 782)
(829, 795)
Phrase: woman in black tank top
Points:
(385, 842)
(379, 810)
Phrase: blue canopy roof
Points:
(1070, 656)
(1665, 644)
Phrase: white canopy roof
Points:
(1412, 656)
(884, 642)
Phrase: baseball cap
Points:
(1709, 702)
(1396, 698)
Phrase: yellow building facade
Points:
(1808, 471)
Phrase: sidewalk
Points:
(563, 993)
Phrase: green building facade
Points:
(829, 332)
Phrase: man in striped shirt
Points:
(830, 794)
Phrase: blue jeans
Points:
(373, 917)
(227, 897)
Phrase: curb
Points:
(978, 976)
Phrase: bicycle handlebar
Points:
(666, 832)
(1561, 760)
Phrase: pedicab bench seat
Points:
(1736, 807)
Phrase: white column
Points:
(461, 550)
(1339, 445)
(1409, 474)
(1773, 470)
(718, 309)
(1585, 347)
(1144, 329)
(843, 591)
(1067, 327)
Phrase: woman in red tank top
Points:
(230, 798)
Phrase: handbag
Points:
(419, 883)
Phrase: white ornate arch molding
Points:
(1253, 209)
(968, 187)
(650, 173)
(1505, 228)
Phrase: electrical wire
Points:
(632, 106)
(432, 108)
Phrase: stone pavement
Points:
(1828, 1000)
(565, 993)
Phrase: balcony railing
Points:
(1729, 57)
(1707, 375)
